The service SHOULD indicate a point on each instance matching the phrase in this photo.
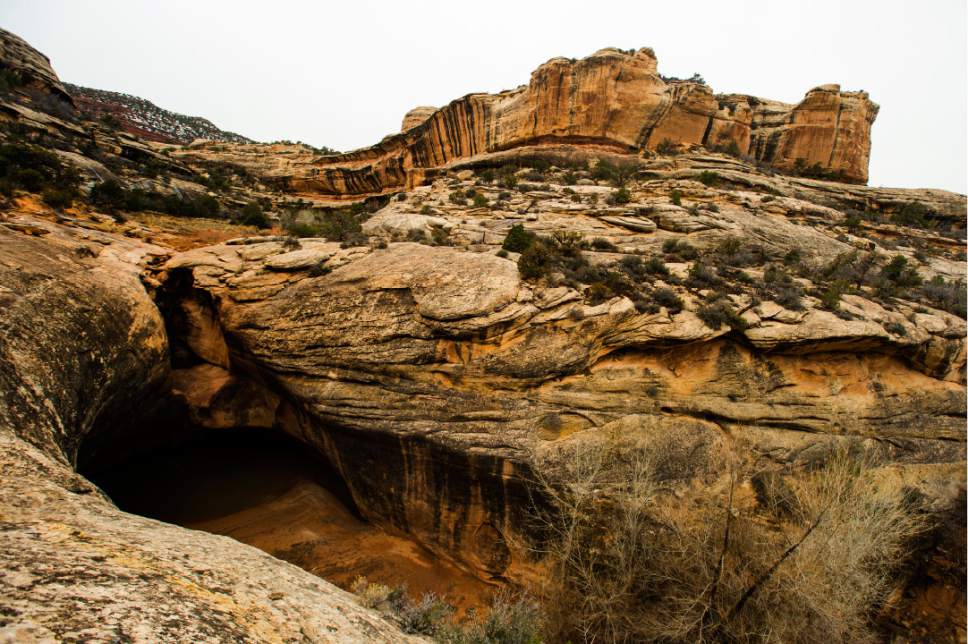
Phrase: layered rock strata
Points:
(614, 99)
(81, 347)
(432, 377)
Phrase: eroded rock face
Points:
(82, 348)
(611, 100)
(34, 68)
(432, 377)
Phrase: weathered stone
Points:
(82, 346)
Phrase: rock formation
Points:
(82, 346)
(31, 66)
(399, 360)
(436, 376)
(613, 100)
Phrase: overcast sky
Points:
(342, 74)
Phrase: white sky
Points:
(343, 74)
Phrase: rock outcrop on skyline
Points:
(613, 100)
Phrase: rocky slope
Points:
(451, 353)
(145, 119)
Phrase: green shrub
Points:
(536, 260)
(480, 201)
(789, 297)
(830, 297)
(667, 147)
(518, 239)
(10, 79)
(895, 328)
(668, 298)
(252, 215)
(487, 175)
(913, 213)
(850, 267)
(639, 270)
(33, 169)
(679, 250)
(721, 313)
(506, 621)
(676, 197)
(342, 226)
(617, 174)
(439, 237)
(599, 292)
(458, 197)
(604, 245)
(898, 274)
(319, 269)
(852, 221)
(56, 198)
(702, 276)
(733, 251)
(947, 296)
(620, 196)
(792, 258)
(303, 230)
(708, 178)
(427, 616)
(108, 195)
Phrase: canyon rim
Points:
(605, 339)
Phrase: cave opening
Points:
(269, 490)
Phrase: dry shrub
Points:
(509, 619)
(629, 562)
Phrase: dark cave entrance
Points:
(208, 474)
(269, 490)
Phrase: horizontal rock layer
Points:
(615, 99)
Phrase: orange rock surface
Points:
(614, 99)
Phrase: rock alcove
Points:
(269, 490)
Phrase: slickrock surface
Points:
(81, 347)
(431, 376)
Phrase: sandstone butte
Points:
(612, 100)
(434, 377)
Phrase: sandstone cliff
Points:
(614, 100)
